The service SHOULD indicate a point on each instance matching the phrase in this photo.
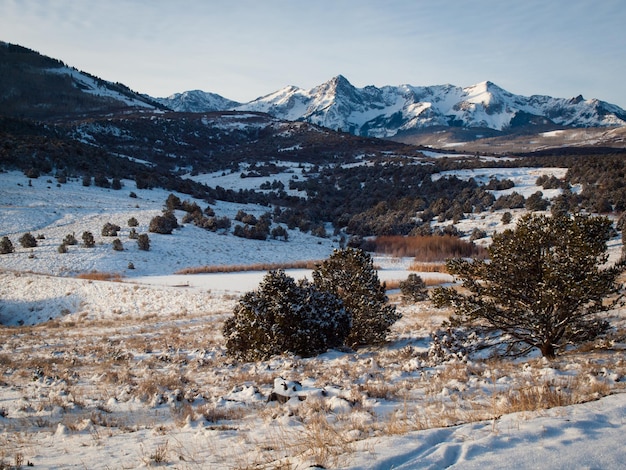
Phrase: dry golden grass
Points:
(100, 276)
(428, 267)
(310, 264)
(427, 248)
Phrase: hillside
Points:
(39, 87)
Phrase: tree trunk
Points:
(547, 350)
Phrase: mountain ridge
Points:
(42, 88)
(391, 110)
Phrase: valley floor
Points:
(133, 374)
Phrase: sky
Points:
(243, 49)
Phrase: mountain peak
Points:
(336, 84)
(384, 112)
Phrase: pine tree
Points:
(70, 239)
(6, 246)
(413, 288)
(143, 242)
(88, 240)
(163, 224)
(349, 273)
(543, 285)
(28, 240)
(110, 230)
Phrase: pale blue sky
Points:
(242, 49)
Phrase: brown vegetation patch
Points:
(100, 276)
(233, 268)
(427, 249)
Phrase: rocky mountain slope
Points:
(400, 110)
(197, 101)
(391, 110)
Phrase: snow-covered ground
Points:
(55, 211)
(134, 374)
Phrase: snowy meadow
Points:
(129, 370)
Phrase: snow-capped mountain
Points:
(197, 101)
(386, 111)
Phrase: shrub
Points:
(28, 240)
(260, 231)
(6, 246)
(143, 242)
(283, 316)
(118, 245)
(536, 202)
(62, 248)
(413, 288)
(133, 222)
(507, 217)
(88, 240)
(110, 230)
(543, 286)
(280, 232)
(70, 239)
(101, 181)
(477, 234)
(349, 274)
(133, 235)
(163, 224)
(172, 202)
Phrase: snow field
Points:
(113, 387)
(134, 374)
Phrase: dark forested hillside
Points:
(72, 124)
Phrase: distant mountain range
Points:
(391, 110)
(38, 87)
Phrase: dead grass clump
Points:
(427, 248)
(380, 389)
(322, 444)
(100, 276)
(215, 414)
(421, 267)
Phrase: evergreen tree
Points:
(143, 242)
(413, 288)
(6, 246)
(88, 240)
(163, 224)
(70, 239)
(110, 230)
(283, 316)
(536, 202)
(28, 240)
(349, 273)
(543, 285)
